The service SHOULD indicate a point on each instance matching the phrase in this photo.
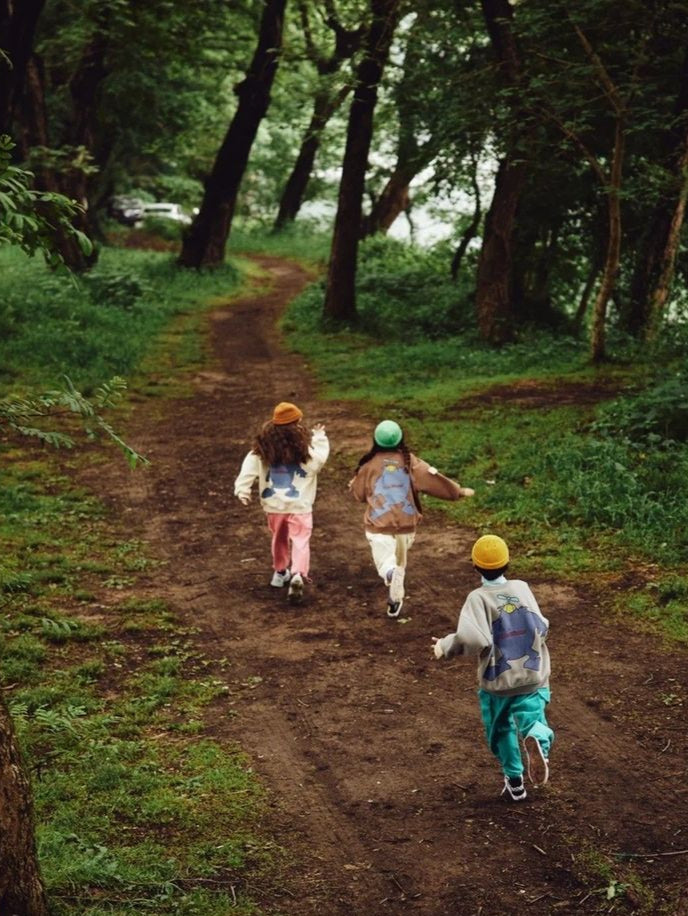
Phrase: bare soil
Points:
(380, 784)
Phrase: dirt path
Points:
(371, 750)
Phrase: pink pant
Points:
(297, 529)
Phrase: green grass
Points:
(299, 241)
(138, 808)
(97, 326)
(580, 490)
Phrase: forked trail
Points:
(381, 787)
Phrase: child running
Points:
(389, 478)
(285, 460)
(502, 625)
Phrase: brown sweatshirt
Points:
(392, 494)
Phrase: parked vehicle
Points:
(125, 209)
(165, 210)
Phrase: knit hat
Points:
(388, 434)
(286, 413)
(490, 552)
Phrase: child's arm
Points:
(427, 479)
(320, 447)
(250, 470)
(472, 636)
(357, 486)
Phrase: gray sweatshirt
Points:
(504, 627)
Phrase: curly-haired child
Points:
(285, 460)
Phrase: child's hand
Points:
(350, 483)
(466, 491)
(244, 500)
(436, 647)
(319, 428)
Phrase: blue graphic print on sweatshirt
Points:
(514, 633)
(393, 487)
(281, 477)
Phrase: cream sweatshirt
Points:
(284, 488)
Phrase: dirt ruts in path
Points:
(372, 752)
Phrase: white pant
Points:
(389, 550)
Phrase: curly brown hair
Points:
(286, 443)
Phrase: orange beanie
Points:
(286, 413)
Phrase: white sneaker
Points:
(396, 586)
(280, 579)
(295, 593)
(538, 766)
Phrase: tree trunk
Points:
(493, 289)
(205, 242)
(472, 228)
(393, 201)
(667, 260)
(593, 273)
(613, 256)
(653, 245)
(18, 20)
(33, 123)
(493, 283)
(324, 106)
(340, 295)
(21, 890)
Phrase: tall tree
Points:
(412, 154)
(327, 100)
(206, 239)
(340, 294)
(18, 21)
(493, 282)
(658, 244)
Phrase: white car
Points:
(166, 211)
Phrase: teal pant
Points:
(507, 718)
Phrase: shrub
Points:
(656, 416)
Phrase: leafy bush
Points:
(656, 416)
(60, 325)
(112, 288)
(168, 229)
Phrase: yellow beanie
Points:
(490, 552)
(286, 413)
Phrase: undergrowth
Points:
(96, 326)
(138, 809)
(584, 470)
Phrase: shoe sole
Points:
(396, 586)
(295, 594)
(538, 768)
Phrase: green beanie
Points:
(388, 434)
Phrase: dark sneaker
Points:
(280, 578)
(393, 607)
(295, 593)
(514, 790)
(538, 767)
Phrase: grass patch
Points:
(583, 470)
(301, 242)
(100, 325)
(138, 809)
